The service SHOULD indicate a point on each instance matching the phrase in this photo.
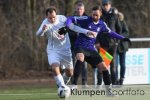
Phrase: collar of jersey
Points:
(95, 22)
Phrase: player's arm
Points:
(70, 24)
(43, 28)
(113, 34)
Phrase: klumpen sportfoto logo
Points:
(109, 91)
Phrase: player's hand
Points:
(91, 34)
(45, 28)
(61, 37)
(128, 40)
(63, 30)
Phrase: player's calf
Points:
(67, 75)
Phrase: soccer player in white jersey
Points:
(58, 47)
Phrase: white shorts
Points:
(63, 58)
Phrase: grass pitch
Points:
(50, 93)
(29, 93)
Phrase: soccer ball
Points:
(63, 91)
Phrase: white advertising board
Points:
(138, 66)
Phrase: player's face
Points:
(96, 14)
(79, 10)
(107, 7)
(51, 17)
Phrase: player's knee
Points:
(80, 57)
(55, 69)
(69, 73)
(104, 69)
(102, 66)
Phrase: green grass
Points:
(50, 93)
(29, 93)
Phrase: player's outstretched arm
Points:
(118, 36)
(71, 26)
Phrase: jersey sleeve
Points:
(81, 20)
(72, 23)
(40, 32)
(113, 34)
(78, 20)
(105, 28)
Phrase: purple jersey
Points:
(87, 23)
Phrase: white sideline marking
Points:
(7, 94)
(26, 94)
(15, 94)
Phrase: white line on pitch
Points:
(27, 94)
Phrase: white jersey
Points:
(58, 47)
(55, 41)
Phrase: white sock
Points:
(66, 78)
(59, 80)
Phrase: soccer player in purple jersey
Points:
(84, 45)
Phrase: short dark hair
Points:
(79, 3)
(50, 10)
(97, 8)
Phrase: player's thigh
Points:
(66, 60)
(53, 59)
(93, 58)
